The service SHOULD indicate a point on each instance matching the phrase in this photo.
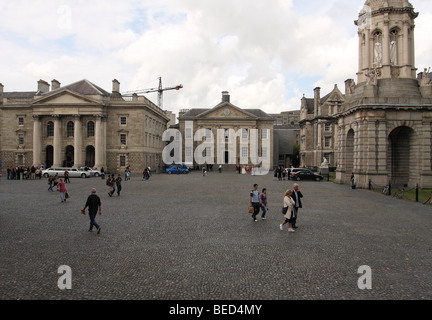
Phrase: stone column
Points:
(78, 162)
(57, 142)
(100, 156)
(37, 140)
(386, 44)
(406, 45)
(360, 35)
(367, 63)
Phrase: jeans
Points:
(294, 219)
(264, 211)
(93, 222)
(50, 187)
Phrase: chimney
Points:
(225, 96)
(43, 86)
(55, 85)
(317, 100)
(116, 86)
(1, 88)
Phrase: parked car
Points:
(177, 170)
(306, 175)
(73, 173)
(93, 173)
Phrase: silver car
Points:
(93, 173)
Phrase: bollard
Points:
(389, 189)
(370, 184)
(417, 193)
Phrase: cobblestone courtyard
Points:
(190, 237)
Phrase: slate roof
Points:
(83, 87)
(193, 113)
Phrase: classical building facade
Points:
(231, 120)
(384, 129)
(80, 124)
(318, 127)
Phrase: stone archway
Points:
(349, 153)
(400, 156)
(69, 156)
(49, 159)
(90, 157)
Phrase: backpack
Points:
(108, 182)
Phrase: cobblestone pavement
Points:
(190, 237)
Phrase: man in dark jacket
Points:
(296, 195)
(93, 203)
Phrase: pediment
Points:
(65, 97)
(227, 111)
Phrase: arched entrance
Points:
(69, 162)
(49, 159)
(90, 157)
(349, 153)
(400, 156)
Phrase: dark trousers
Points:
(256, 207)
(92, 214)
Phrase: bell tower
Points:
(386, 41)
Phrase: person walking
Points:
(264, 203)
(51, 183)
(297, 196)
(111, 185)
(288, 210)
(353, 186)
(63, 190)
(66, 174)
(255, 202)
(93, 203)
(118, 183)
(102, 173)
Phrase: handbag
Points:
(251, 210)
(284, 210)
(67, 195)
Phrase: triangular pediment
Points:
(227, 111)
(66, 97)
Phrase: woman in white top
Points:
(289, 205)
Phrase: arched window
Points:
(50, 129)
(90, 129)
(70, 129)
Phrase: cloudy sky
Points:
(267, 54)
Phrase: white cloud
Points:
(266, 53)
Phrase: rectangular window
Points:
(20, 160)
(123, 121)
(264, 134)
(122, 161)
(327, 127)
(208, 152)
(245, 134)
(21, 139)
(245, 152)
(327, 142)
(188, 152)
(226, 134)
(208, 134)
(20, 121)
(188, 133)
(123, 140)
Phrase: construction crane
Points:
(159, 90)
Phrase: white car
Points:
(93, 173)
(73, 173)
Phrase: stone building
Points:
(288, 119)
(318, 127)
(226, 116)
(80, 124)
(384, 129)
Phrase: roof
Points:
(192, 113)
(18, 95)
(83, 87)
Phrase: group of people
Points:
(112, 183)
(291, 205)
(24, 173)
(281, 173)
